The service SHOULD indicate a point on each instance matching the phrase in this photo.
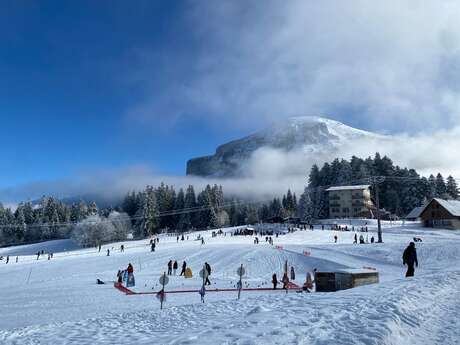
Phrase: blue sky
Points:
(64, 90)
(104, 86)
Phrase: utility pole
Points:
(376, 181)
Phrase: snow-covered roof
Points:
(452, 206)
(416, 212)
(357, 187)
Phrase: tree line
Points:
(141, 213)
(162, 208)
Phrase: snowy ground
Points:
(58, 301)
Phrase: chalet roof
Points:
(452, 206)
(416, 212)
(357, 187)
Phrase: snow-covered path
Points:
(62, 304)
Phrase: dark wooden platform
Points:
(345, 279)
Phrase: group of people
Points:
(286, 279)
(361, 239)
(126, 276)
(8, 258)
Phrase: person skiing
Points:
(122, 248)
(410, 258)
(177, 238)
(202, 240)
(292, 273)
(119, 277)
(7, 258)
(175, 266)
(335, 238)
(356, 239)
(108, 252)
(152, 247)
(274, 281)
(130, 269)
(99, 248)
(170, 264)
(208, 271)
(285, 281)
(184, 267)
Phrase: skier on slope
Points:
(184, 267)
(274, 281)
(175, 266)
(170, 264)
(208, 270)
(152, 247)
(292, 273)
(410, 258)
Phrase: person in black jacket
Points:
(184, 267)
(410, 258)
(208, 269)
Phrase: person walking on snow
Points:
(292, 273)
(208, 271)
(175, 266)
(170, 264)
(274, 281)
(184, 267)
(410, 258)
(285, 281)
(308, 285)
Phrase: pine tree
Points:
(452, 188)
(148, 222)
(178, 207)
(93, 209)
(441, 190)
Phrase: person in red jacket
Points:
(130, 268)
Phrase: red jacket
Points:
(130, 269)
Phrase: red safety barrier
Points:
(291, 286)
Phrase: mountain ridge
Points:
(312, 134)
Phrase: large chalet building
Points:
(350, 202)
(438, 213)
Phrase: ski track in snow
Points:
(66, 307)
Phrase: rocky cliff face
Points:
(310, 134)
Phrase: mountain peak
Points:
(313, 134)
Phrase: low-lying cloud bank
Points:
(269, 172)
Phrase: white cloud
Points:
(268, 173)
(390, 65)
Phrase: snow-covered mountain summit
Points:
(312, 134)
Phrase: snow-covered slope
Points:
(311, 134)
(58, 301)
